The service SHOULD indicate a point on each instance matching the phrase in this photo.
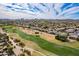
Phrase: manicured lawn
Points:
(52, 47)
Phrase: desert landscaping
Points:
(39, 38)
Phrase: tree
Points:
(61, 38)
(78, 39)
(28, 52)
(21, 44)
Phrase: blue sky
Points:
(39, 10)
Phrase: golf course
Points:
(44, 44)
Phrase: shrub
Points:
(37, 35)
(14, 30)
(36, 32)
(3, 28)
(22, 54)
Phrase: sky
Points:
(39, 10)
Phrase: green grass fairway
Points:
(52, 47)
